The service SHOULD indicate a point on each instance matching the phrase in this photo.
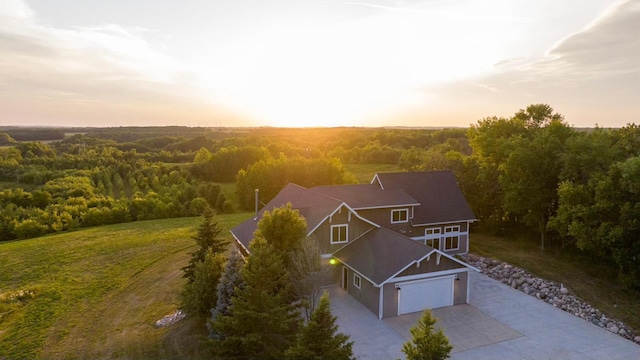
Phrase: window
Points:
(452, 237)
(432, 232)
(356, 281)
(434, 243)
(339, 234)
(450, 229)
(399, 216)
(451, 242)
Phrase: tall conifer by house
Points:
(318, 338)
(262, 321)
(208, 239)
(230, 283)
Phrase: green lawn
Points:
(584, 277)
(365, 172)
(98, 292)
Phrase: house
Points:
(392, 242)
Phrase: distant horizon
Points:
(316, 63)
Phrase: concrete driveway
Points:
(500, 323)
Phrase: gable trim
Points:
(446, 222)
(376, 179)
(427, 256)
(240, 242)
(336, 210)
(430, 275)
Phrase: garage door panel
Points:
(426, 294)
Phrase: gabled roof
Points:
(313, 206)
(381, 253)
(440, 198)
(367, 196)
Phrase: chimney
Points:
(256, 217)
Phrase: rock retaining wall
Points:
(550, 292)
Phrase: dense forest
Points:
(574, 189)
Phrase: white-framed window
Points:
(399, 216)
(452, 242)
(357, 281)
(452, 237)
(432, 232)
(339, 234)
(434, 243)
(451, 229)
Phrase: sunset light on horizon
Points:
(299, 63)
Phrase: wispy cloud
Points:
(106, 66)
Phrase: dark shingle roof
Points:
(437, 192)
(381, 253)
(314, 207)
(365, 196)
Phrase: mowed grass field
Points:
(98, 292)
(584, 277)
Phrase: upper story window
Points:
(432, 232)
(339, 234)
(399, 216)
(452, 229)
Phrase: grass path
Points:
(99, 291)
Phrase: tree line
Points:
(531, 173)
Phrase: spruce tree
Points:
(207, 238)
(262, 321)
(200, 295)
(230, 283)
(426, 343)
(318, 338)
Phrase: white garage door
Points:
(425, 294)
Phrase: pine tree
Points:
(200, 295)
(230, 283)
(427, 344)
(262, 321)
(318, 339)
(207, 238)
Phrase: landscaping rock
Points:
(171, 319)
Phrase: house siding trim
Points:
(469, 221)
(439, 253)
(353, 212)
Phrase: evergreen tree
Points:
(427, 344)
(207, 238)
(230, 283)
(200, 295)
(318, 339)
(262, 321)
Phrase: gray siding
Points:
(356, 227)
(368, 295)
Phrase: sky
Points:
(297, 63)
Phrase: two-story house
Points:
(391, 241)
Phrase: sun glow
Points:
(356, 70)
